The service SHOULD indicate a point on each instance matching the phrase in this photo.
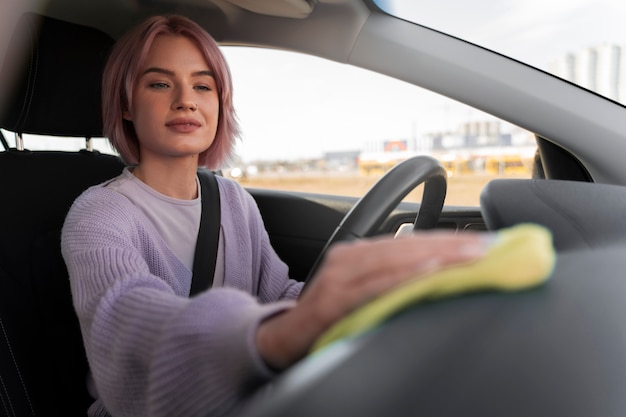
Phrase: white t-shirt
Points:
(177, 221)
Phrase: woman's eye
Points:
(158, 85)
(203, 88)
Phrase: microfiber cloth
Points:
(521, 257)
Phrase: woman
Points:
(129, 245)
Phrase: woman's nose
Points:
(183, 101)
(187, 106)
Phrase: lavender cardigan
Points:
(152, 350)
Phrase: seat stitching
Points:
(19, 374)
(6, 394)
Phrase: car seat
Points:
(56, 67)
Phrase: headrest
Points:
(579, 214)
(55, 68)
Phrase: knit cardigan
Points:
(152, 350)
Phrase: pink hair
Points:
(122, 69)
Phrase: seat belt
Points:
(205, 256)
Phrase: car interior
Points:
(551, 351)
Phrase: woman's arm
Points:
(351, 275)
(151, 349)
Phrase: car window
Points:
(313, 125)
(581, 41)
(309, 124)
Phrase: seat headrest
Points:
(56, 69)
(579, 214)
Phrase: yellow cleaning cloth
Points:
(521, 257)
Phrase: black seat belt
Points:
(205, 256)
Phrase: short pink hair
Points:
(122, 70)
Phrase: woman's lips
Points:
(183, 125)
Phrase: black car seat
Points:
(55, 68)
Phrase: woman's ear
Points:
(126, 116)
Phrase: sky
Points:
(301, 107)
(293, 106)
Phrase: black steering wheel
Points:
(373, 208)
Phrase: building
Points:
(600, 68)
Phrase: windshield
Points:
(582, 41)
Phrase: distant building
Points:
(600, 68)
(475, 134)
(486, 146)
(395, 146)
(341, 159)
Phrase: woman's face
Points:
(175, 102)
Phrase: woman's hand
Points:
(352, 274)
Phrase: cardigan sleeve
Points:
(152, 351)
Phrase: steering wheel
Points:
(373, 208)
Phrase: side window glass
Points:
(318, 126)
(314, 125)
